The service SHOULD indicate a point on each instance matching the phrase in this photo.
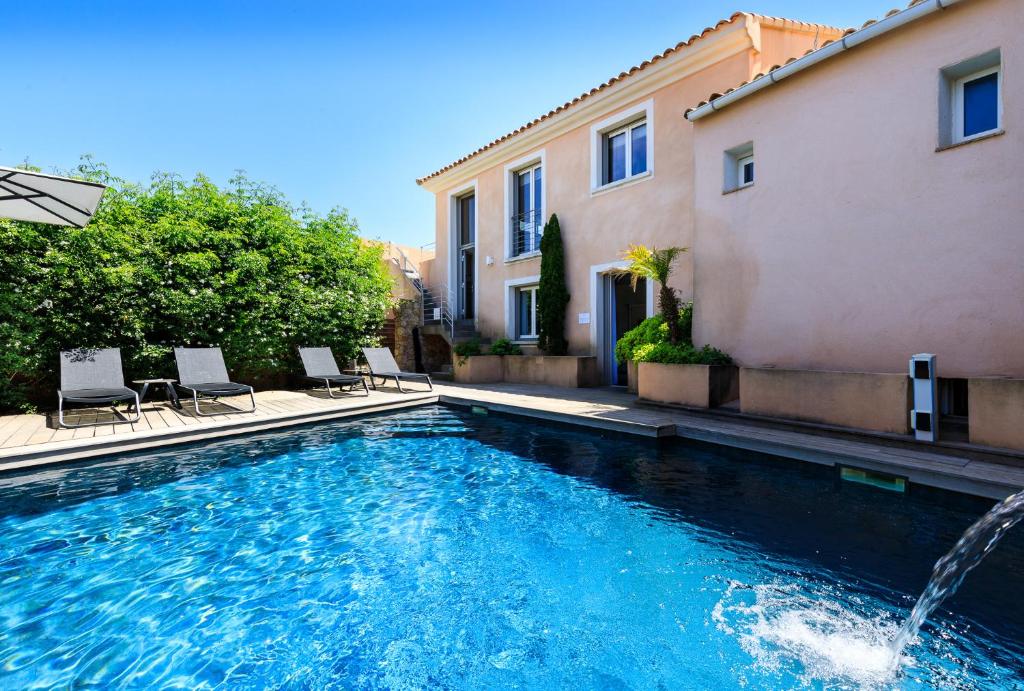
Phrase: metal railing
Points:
(527, 229)
(437, 304)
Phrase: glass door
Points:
(467, 255)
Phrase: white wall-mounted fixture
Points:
(924, 418)
(489, 260)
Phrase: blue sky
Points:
(335, 103)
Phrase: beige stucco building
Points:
(616, 165)
(885, 218)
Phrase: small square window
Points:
(970, 99)
(739, 167)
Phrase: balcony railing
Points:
(527, 229)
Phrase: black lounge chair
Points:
(202, 371)
(382, 364)
(93, 376)
(321, 366)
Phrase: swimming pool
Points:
(434, 548)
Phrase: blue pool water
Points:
(436, 549)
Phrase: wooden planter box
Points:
(632, 372)
(478, 369)
(573, 371)
(697, 386)
(996, 412)
(862, 400)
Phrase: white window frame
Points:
(512, 288)
(623, 121)
(532, 161)
(733, 161)
(532, 334)
(958, 104)
(741, 163)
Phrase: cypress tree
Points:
(552, 294)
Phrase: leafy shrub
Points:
(503, 346)
(184, 263)
(552, 295)
(680, 354)
(467, 349)
(651, 331)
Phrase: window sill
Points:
(522, 257)
(525, 341)
(979, 138)
(625, 182)
(737, 189)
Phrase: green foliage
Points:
(552, 294)
(184, 263)
(653, 330)
(503, 346)
(654, 264)
(680, 354)
(468, 348)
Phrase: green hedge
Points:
(184, 263)
(649, 342)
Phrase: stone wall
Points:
(407, 317)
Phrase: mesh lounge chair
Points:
(322, 367)
(382, 364)
(202, 371)
(92, 377)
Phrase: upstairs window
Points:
(527, 222)
(970, 99)
(739, 167)
(621, 147)
(745, 171)
(626, 153)
(977, 104)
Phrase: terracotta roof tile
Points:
(622, 76)
(712, 97)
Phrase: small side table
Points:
(168, 384)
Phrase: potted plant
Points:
(664, 363)
(473, 366)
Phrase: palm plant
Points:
(654, 264)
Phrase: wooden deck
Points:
(27, 440)
(30, 440)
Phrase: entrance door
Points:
(466, 236)
(623, 309)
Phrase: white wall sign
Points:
(584, 317)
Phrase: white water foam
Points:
(781, 624)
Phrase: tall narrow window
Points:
(625, 152)
(526, 313)
(527, 219)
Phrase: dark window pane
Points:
(523, 199)
(639, 145)
(748, 172)
(536, 193)
(981, 104)
(616, 158)
(525, 313)
(467, 220)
